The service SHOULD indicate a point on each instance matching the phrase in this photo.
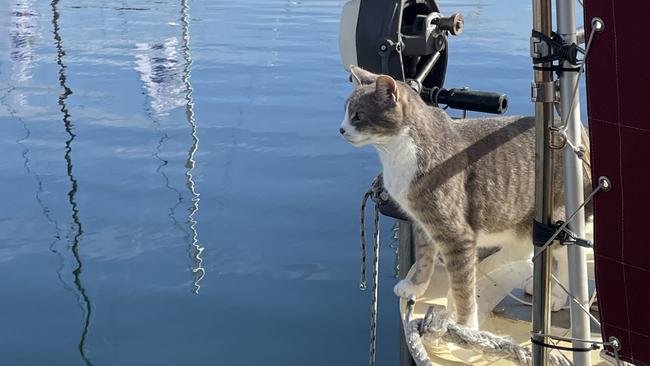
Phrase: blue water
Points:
(174, 189)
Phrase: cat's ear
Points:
(360, 76)
(386, 89)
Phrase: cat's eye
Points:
(355, 117)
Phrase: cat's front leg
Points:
(417, 283)
(460, 260)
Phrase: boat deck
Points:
(509, 318)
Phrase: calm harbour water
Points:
(174, 188)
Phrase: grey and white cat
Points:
(464, 183)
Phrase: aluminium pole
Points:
(544, 98)
(573, 187)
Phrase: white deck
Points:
(499, 324)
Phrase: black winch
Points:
(407, 39)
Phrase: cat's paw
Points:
(472, 322)
(406, 289)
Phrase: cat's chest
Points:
(400, 166)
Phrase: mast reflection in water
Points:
(76, 228)
(165, 74)
(198, 270)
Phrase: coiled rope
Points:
(437, 325)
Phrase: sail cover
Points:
(618, 77)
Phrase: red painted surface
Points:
(618, 78)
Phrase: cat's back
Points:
(500, 176)
(499, 130)
(502, 143)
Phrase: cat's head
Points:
(373, 113)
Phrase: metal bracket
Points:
(544, 92)
(538, 48)
(543, 233)
(558, 140)
(386, 48)
(568, 237)
(552, 48)
(380, 196)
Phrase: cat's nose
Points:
(342, 131)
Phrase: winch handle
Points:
(465, 99)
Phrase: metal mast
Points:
(544, 97)
(573, 186)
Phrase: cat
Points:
(463, 183)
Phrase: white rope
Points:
(437, 325)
